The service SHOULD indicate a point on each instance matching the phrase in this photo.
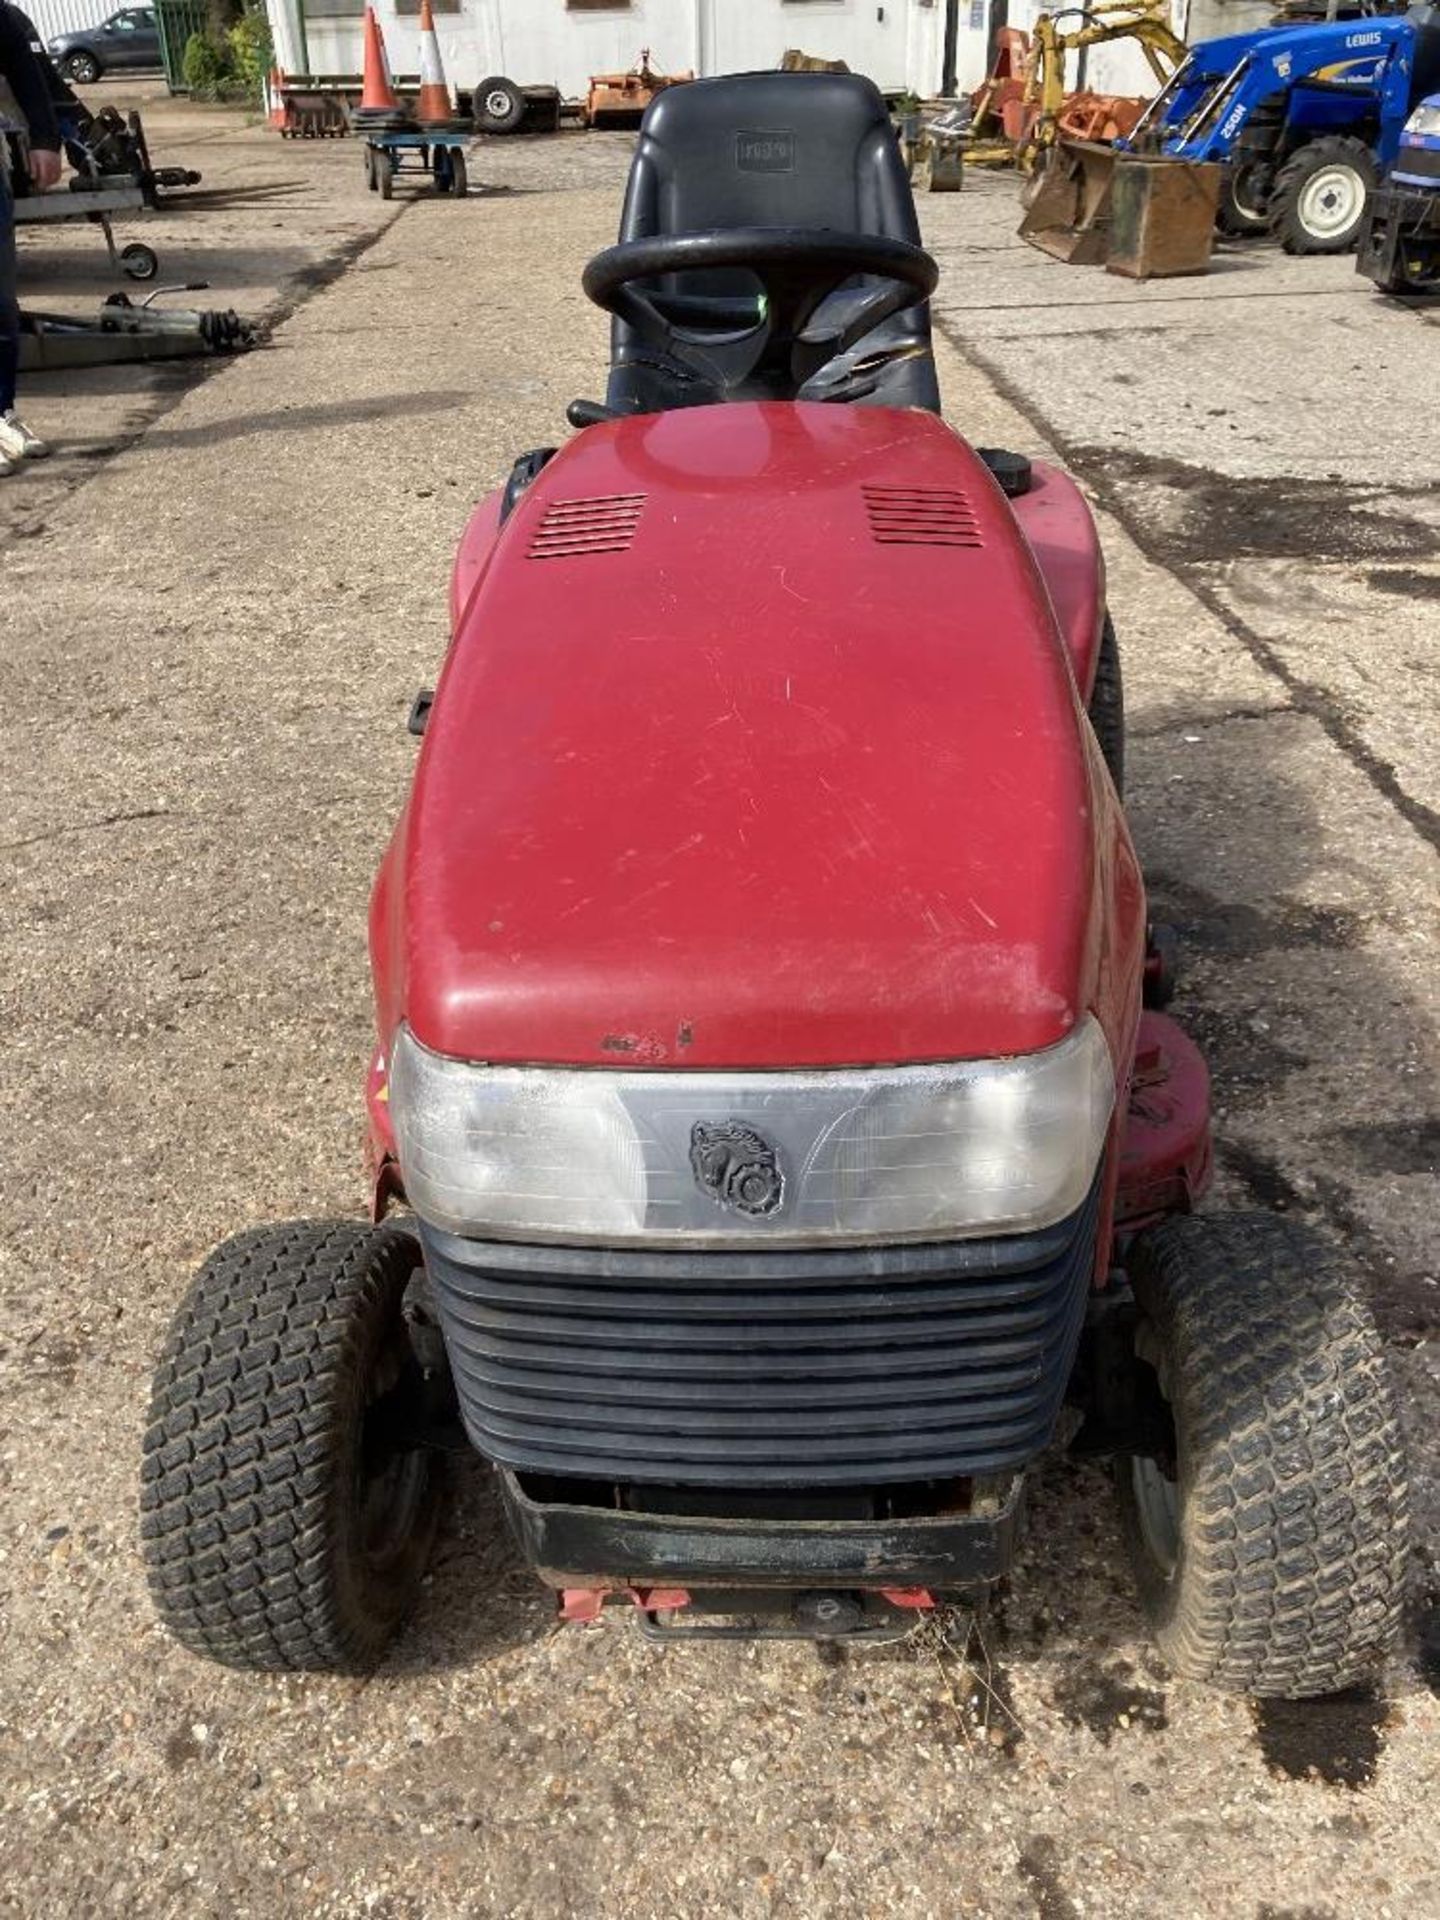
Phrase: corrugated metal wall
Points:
(68, 16)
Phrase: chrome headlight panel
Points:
(804, 1158)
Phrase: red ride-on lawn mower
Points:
(774, 1121)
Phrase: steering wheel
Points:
(797, 267)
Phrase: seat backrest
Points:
(771, 150)
(1425, 70)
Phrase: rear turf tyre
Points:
(287, 1513)
(1269, 1541)
(1107, 706)
(499, 105)
(1321, 196)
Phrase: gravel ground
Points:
(214, 638)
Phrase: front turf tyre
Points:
(1321, 196)
(1269, 1532)
(1107, 706)
(287, 1509)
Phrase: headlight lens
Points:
(1424, 121)
(737, 1159)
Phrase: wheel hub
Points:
(1331, 201)
(392, 1469)
(1157, 1506)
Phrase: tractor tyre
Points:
(1107, 706)
(1244, 210)
(287, 1505)
(1321, 196)
(499, 105)
(1269, 1533)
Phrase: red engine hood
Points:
(756, 746)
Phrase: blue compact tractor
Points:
(1306, 119)
(1400, 244)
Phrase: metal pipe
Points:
(949, 77)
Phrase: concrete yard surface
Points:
(218, 601)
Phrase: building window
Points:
(597, 6)
(436, 6)
(333, 9)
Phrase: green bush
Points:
(252, 53)
(229, 63)
(203, 67)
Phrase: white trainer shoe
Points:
(6, 466)
(17, 442)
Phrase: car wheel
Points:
(83, 68)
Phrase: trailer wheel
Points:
(139, 262)
(1107, 706)
(459, 176)
(499, 105)
(287, 1505)
(1268, 1532)
(384, 174)
(1321, 196)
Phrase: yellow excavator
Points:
(1023, 107)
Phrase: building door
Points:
(742, 36)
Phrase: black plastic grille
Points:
(1421, 163)
(843, 1368)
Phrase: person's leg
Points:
(16, 440)
(9, 307)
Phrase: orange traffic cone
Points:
(378, 106)
(435, 107)
(275, 112)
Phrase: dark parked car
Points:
(126, 41)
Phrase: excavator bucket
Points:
(1142, 215)
(1067, 204)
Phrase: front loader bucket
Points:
(1068, 204)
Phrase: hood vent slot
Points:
(921, 517)
(571, 527)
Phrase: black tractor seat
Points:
(1425, 70)
(783, 150)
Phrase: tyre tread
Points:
(1290, 178)
(1294, 1499)
(256, 1385)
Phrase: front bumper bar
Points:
(1401, 237)
(577, 1546)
